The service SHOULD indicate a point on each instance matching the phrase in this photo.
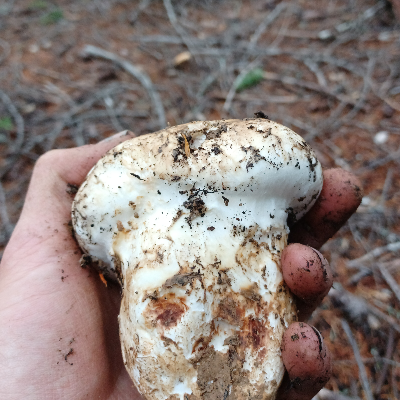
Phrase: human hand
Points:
(59, 330)
(308, 275)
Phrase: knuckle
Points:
(49, 159)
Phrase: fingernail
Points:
(120, 135)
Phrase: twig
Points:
(300, 124)
(386, 187)
(390, 280)
(283, 28)
(393, 265)
(142, 77)
(393, 156)
(154, 53)
(253, 41)
(377, 252)
(243, 47)
(395, 105)
(17, 118)
(358, 238)
(365, 16)
(77, 134)
(362, 273)
(369, 361)
(169, 39)
(288, 80)
(313, 67)
(108, 101)
(358, 309)
(174, 22)
(269, 99)
(325, 394)
(354, 387)
(333, 122)
(364, 92)
(357, 355)
(389, 320)
(391, 80)
(354, 307)
(139, 9)
(6, 50)
(389, 352)
(268, 20)
(55, 132)
(69, 119)
(394, 384)
(232, 91)
(271, 17)
(97, 114)
(8, 227)
(50, 87)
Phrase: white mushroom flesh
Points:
(192, 221)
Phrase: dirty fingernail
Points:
(123, 135)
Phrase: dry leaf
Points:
(182, 58)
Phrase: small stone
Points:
(325, 34)
(34, 48)
(381, 137)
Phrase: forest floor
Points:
(329, 70)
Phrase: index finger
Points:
(339, 199)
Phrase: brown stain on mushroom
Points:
(120, 226)
(230, 310)
(182, 279)
(252, 293)
(170, 314)
(165, 311)
(253, 333)
(201, 344)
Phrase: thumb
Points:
(72, 165)
(57, 171)
(47, 207)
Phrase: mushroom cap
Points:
(252, 171)
(192, 220)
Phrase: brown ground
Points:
(330, 70)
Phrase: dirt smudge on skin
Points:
(72, 189)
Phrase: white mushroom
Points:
(192, 221)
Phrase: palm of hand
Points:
(63, 334)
